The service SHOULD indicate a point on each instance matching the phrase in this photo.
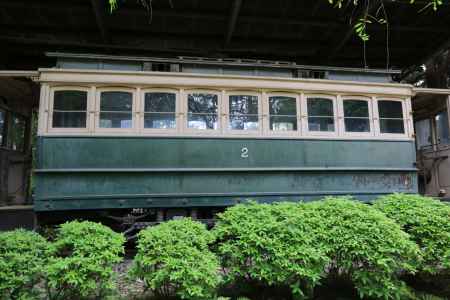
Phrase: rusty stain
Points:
(387, 180)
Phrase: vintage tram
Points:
(166, 144)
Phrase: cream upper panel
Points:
(186, 80)
(259, 98)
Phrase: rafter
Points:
(443, 47)
(99, 10)
(235, 9)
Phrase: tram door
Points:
(433, 153)
(18, 98)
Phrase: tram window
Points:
(2, 126)
(442, 132)
(391, 116)
(116, 110)
(69, 109)
(16, 134)
(423, 133)
(243, 112)
(202, 111)
(320, 114)
(159, 110)
(283, 113)
(356, 116)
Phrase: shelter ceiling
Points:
(307, 31)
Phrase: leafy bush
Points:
(272, 244)
(423, 296)
(173, 258)
(84, 255)
(22, 257)
(427, 221)
(365, 247)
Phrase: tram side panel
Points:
(127, 172)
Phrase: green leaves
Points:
(173, 258)
(112, 5)
(274, 244)
(23, 254)
(81, 266)
(427, 221)
(361, 24)
(361, 29)
(366, 247)
(299, 245)
(296, 246)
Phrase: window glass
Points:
(356, 116)
(243, 112)
(69, 109)
(202, 111)
(442, 132)
(116, 110)
(2, 126)
(159, 110)
(391, 116)
(16, 135)
(423, 133)
(283, 113)
(320, 114)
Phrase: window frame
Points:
(378, 118)
(4, 130)
(184, 114)
(26, 124)
(75, 130)
(369, 100)
(134, 111)
(226, 116)
(305, 115)
(266, 116)
(141, 112)
(431, 136)
(435, 125)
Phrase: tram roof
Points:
(307, 32)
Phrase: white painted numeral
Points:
(244, 152)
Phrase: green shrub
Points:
(424, 296)
(366, 247)
(84, 255)
(275, 245)
(22, 257)
(427, 221)
(173, 258)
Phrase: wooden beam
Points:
(99, 10)
(235, 9)
(309, 21)
(305, 27)
(159, 44)
(443, 47)
(424, 59)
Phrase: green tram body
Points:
(86, 171)
(129, 172)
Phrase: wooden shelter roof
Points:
(303, 31)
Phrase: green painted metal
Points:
(159, 170)
(119, 172)
(132, 152)
(204, 201)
